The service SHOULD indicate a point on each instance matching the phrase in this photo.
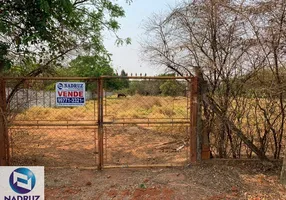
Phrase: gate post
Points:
(4, 141)
(193, 118)
(100, 121)
(199, 147)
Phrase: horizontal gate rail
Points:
(96, 78)
(143, 122)
(50, 78)
(84, 125)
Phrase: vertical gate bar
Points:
(27, 93)
(36, 97)
(100, 123)
(17, 99)
(187, 149)
(94, 100)
(44, 93)
(193, 119)
(105, 101)
(95, 145)
(96, 149)
(50, 96)
(105, 143)
(96, 129)
(23, 98)
(101, 119)
(4, 140)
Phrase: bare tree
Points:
(271, 37)
(217, 40)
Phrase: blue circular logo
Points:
(60, 86)
(22, 180)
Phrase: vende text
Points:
(70, 94)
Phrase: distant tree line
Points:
(169, 87)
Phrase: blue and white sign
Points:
(22, 183)
(70, 94)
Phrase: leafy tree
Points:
(38, 35)
(45, 31)
(172, 88)
(94, 66)
(124, 82)
(41, 33)
(118, 83)
(146, 87)
(89, 66)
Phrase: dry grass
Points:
(131, 107)
(148, 107)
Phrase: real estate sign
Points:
(70, 94)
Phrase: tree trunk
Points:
(221, 141)
(232, 146)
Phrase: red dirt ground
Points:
(214, 180)
(74, 149)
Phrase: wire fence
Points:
(27, 98)
(125, 121)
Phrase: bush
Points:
(172, 88)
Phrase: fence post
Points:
(100, 121)
(196, 143)
(193, 119)
(200, 146)
(4, 141)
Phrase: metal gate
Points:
(147, 121)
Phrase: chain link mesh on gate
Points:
(42, 133)
(145, 121)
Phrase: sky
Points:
(128, 57)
